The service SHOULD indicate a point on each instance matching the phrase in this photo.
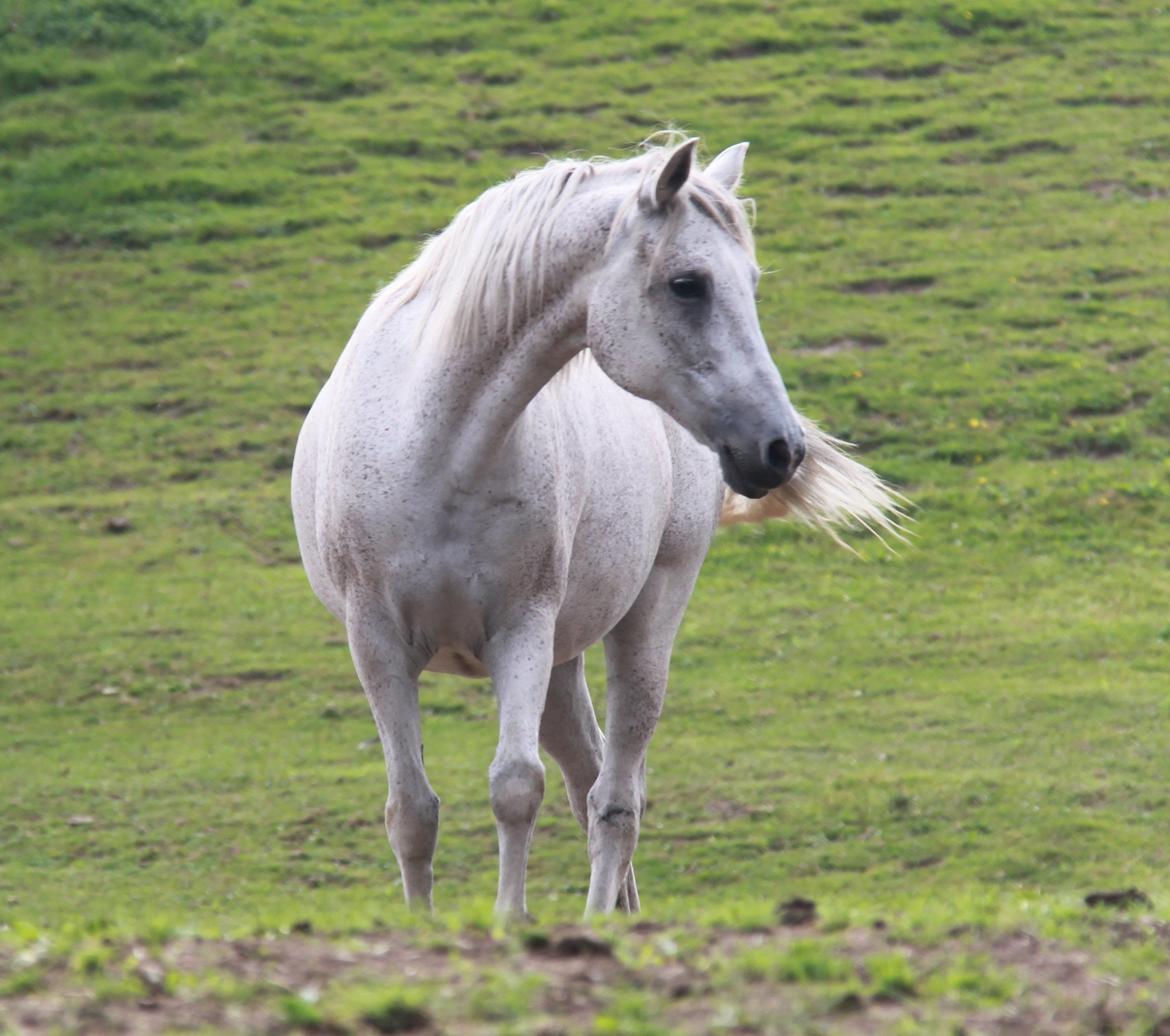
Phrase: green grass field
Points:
(964, 212)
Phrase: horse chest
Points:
(458, 563)
(475, 565)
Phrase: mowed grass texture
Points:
(964, 212)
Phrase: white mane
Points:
(487, 266)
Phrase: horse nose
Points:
(783, 455)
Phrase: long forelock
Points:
(485, 273)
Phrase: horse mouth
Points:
(739, 481)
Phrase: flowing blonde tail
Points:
(829, 489)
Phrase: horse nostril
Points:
(778, 455)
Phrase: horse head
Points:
(672, 318)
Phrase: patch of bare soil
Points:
(844, 343)
(687, 975)
(1108, 189)
(890, 285)
(1026, 147)
(1111, 100)
(898, 73)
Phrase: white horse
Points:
(471, 499)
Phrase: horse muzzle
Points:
(753, 469)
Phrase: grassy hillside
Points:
(965, 216)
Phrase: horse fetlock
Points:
(517, 789)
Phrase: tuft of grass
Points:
(891, 977)
(22, 981)
(396, 1015)
(384, 1007)
(972, 980)
(629, 1013)
(301, 1013)
(503, 995)
(809, 961)
(91, 959)
(802, 961)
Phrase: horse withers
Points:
(526, 448)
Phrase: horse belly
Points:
(595, 602)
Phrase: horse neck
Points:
(480, 392)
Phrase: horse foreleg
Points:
(390, 680)
(520, 663)
(570, 734)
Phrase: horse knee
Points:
(517, 788)
(412, 824)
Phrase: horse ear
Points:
(726, 168)
(672, 176)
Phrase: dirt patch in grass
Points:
(1109, 100)
(757, 48)
(861, 980)
(373, 241)
(1026, 147)
(898, 73)
(950, 134)
(843, 344)
(1109, 189)
(890, 285)
(860, 190)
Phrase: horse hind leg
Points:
(570, 734)
(637, 656)
(635, 692)
(390, 679)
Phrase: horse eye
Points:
(688, 287)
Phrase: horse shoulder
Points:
(696, 499)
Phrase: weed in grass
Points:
(91, 959)
(219, 984)
(803, 960)
(21, 981)
(386, 1007)
(396, 1015)
(503, 995)
(301, 1013)
(891, 977)
(971, 980)
(629, 1013)
(809, 961)
(116, 987)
